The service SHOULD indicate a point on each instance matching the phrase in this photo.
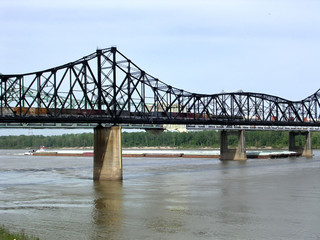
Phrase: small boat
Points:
(29, 152)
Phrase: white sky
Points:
(202, 46)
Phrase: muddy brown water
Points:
(161, 198)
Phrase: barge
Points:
(168, 153)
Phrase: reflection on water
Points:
(177, 198)
(108, 213)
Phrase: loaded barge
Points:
(168, 153)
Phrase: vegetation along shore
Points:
(190, 140)
(5, 234)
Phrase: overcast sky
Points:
(202, 46)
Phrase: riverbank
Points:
(5, 234)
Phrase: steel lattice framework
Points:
(107, 87)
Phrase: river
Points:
(161, 198)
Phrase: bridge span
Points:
(106, 91)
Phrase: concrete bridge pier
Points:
(238, 153)
(107, 153)
(306, 150)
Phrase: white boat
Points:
(29, 152)
(41, 149)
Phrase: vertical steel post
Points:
(129, 90)
(194, 107)
(55, 92)
(263, 115)
(70, 87)
(20, 93)
(1, 98)
(38, 94)
(248, 107)
(143, 100)
(315, 110)
(23, 92)
(85, 86)
(5, 92)
(232, 105)
(99, 53)
(114, 84)
(170, 103)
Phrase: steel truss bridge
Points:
(107, 88)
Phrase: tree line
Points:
(203, 139)
(35, 141)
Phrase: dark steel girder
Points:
(107, 87)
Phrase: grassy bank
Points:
(5, 234)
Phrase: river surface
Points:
(161, 198)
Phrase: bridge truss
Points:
(107, 87)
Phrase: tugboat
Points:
(31, 152)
